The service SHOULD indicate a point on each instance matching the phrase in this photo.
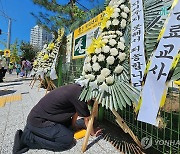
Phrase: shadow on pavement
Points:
(6, 92)
(95, 141)
(11, 84)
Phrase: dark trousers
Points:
(54, 137)
(1, 75)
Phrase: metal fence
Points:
(165, 138)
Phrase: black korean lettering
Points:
(164, 54)
(137, 39)
(136, 57)
(137, 27)
(135, 49)
(136, 33)
(174, 32)
(139, 74)
(137, 84)
(178, 15)
(160, 72)
(137, 65)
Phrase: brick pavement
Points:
(13, 116)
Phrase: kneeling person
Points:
(49, 121)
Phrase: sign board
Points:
(83, 36)
(7, 52)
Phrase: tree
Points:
(14, 52)
(28, 51)
(69, 16)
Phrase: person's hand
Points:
(97, 131)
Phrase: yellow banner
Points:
(93, 23)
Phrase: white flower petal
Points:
(110, 60)
(114, 51)
(94, 58)
(121, 45)
(101, 57)
(106, 49)
(122, 56)
(100, 78)
(108, 23)
(105, 72)
(103, 87)
(98, 50)
(112, 42)
(96, 67)
(115, 22)
(123, 23)
(124, 15)
(110, 80)
(118, 69)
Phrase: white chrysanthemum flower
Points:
(87, 59)
(112, 42)
(126, 9)
(115, 5)
(124, 15)
(120, 2)
(110, 60)
(87, 68)
(98, 50)
(104, 40)
(100, 78)
(115, 15)
(94, 58)
(101, 57)
(115, 22)
(121, 45)
(114, 52)
(106, 49)
(96, 67)
(103, 87)
(117, 10)
(108, 23)
(122, 6)
(110, 80)
(122, 39)
(118, 69)
(119, 33)
(106, 37)
(123, 23)
(90, 76)
(105, 72)
(122, 56)
(112, 36)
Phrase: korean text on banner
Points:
(159, 69)
(83, 36)
(137, 57)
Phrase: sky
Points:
(22, 21)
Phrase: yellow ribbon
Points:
(177, 82)
(35, 63)
(174, 4)
(90, 49)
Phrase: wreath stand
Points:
(50, 86)
(119, 120)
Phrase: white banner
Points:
(53, 74)
(161, 62)
(137, 58)
(69, 48)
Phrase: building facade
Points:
(39, 37)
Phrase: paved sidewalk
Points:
(13, 117)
